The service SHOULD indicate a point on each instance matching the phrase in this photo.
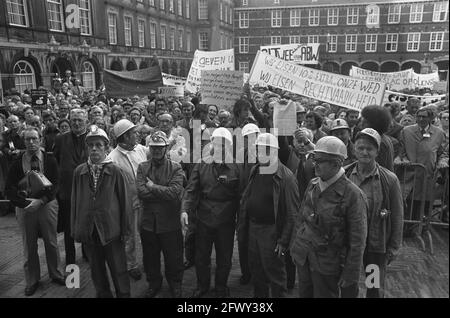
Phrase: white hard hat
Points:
(94, 131)
(122, 126)
(250, 129)
(222, 132)
(268, 140)
(331, 145)
(339, 124)
(372, 133)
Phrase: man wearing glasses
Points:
(330, 231)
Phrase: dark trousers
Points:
(171, 245)
(312, 284)
(380, 260)
(267, 269)
(114, 255)
(223, 239)
(189, 241)
(64, 226)
(290, 271)
(243, 257)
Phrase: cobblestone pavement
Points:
(415, 274)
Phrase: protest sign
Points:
(39, 99)
(172, 80)
(297, 53)
(394, 80)
(221, 88)
(402, 99)
(204, 61)
(285, 119)
(174, 91)
(425, 80)
(328, 87)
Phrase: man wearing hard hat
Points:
(266, 218)
(385, 202)
(100, 207)
(340, 129)
(128, 155)
(246, 158)
(331, 228)
(213, 193)
(160, 186)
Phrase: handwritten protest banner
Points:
(407, 79)
(425, 80)
(332, 88)
(172, 80)
(174, 91)
(297, 53)
(284, 119)
(394, 80)
(204, 61)
(402, 99)
(221, 88)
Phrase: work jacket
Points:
(331, 229)
(286, 204)
(106, 208)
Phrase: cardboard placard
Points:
(39, 99)
(171, 91)
(221, 88)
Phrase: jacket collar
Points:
(107, 168)
(278, 174)
(336, 186)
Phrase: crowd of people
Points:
(120, 168)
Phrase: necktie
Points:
(34, 163)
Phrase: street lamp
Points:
(53, 44)
(85, 48)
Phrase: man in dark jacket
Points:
(331, 229)
(70, 152)
(160, 186)
(35, 213)
(213, 194)
(100, 205)
(268, 205)
(385, 202)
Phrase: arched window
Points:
(88, 76)
(24, 76)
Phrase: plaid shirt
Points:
(96, 170)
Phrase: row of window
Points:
(25, 76)
(391, 44)
(179, 7)
(415, 15)
(176, 36)
(18, 15)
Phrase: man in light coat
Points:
(128, 155)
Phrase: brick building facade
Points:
(379, 35)
(37, 45)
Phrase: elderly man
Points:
(100, 206)
(36, 212)
(385, 203)
(69, 152)
(213, 194)
(423, 143)
(266, 219)
(177, 144)
(13, 142)
(128, 155)
(160, 186)
(331, 228)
